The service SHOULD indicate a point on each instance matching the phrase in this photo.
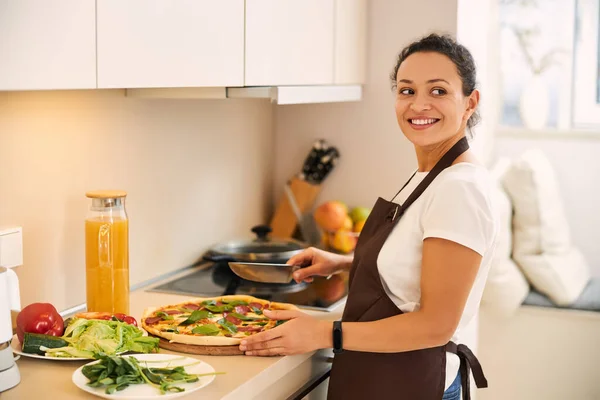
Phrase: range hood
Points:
(281, 95)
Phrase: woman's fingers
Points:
(265, 336)
(307, 272)
(278, 351)
(300, 334)
(263, 345)
(304, 258)
(315, 262)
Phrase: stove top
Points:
(217, 279)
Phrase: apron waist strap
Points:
(468, 363)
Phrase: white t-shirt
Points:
(456, 206)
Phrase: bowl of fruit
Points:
(340, 225)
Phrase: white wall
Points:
(375, 156)
(197, 172)
(577, 167)
(478, 25)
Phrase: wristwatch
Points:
(337, 337)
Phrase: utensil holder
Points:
(285, 219)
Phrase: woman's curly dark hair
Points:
(457, 53)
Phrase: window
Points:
(586, 88)
(550, 65)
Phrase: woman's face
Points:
(430, 105)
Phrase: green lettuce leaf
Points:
(88, 338)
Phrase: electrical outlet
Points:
(11, 247)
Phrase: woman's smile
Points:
(431, 107)
(422, 123)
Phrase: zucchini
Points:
(33, 341)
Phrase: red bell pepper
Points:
(39, 318)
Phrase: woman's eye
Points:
(438, 92)
(406, 91)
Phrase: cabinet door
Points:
(170, 43)
(289, 42)
(350, 41)
(47, 44)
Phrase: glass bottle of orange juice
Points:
(107, 252)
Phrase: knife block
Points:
(285, 221)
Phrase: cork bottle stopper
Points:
(106, 194)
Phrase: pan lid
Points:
(261, 247)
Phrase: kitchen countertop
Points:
(246, 377)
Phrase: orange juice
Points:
(107, 264)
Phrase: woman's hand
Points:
(320, 263)
(300, 333)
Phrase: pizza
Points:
(212, 321)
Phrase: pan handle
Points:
(218, 258)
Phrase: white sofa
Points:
(533, 345)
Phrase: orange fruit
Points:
(358, 227)
(331, 215)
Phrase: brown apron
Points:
(411, 375)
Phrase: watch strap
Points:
(337, 337)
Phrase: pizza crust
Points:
(201, 340)
(206, 340)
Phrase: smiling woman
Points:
(434, 82)
(420, 265)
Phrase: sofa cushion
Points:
(541, 240)
(506, 286)
(589, 299)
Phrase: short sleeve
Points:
(460, 211)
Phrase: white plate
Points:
(144, 391)
(17, 349)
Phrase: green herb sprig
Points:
(116, 373)
(164, 315)
(197, 316)
(246, 318)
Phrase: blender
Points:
(10, 256)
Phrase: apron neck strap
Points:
(447, 159)
(403, 186)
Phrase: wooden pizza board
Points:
(203, 350)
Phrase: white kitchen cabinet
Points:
(170, 43)
(350, 42)
(47, 44)
(289, 42)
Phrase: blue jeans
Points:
(453, 392)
